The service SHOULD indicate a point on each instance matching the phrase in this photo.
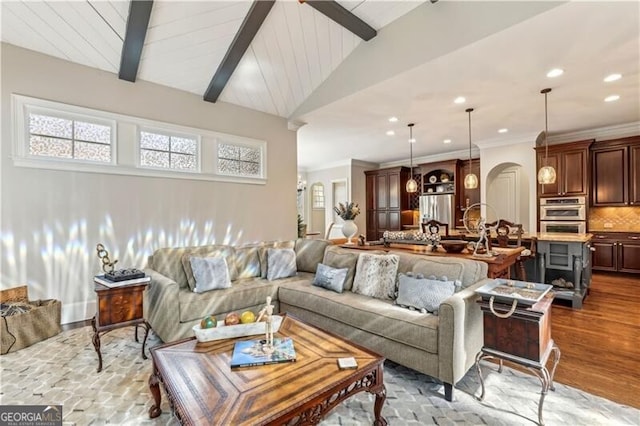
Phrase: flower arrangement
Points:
(347, 211)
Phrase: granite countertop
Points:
(563, 237)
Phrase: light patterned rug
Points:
(62, 370)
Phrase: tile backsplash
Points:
(618, 219)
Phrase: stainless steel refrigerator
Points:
(437, 207)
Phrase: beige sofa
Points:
(442, 346)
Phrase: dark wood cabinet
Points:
(386, 199)
(634, 175)
(571, 161)
(616, 252)
(615, 170)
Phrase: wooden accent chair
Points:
(426, 227)
(504, 229)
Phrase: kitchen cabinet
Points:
(616, 251)
(444, 177)
(571, 162)
(615, 170)
(386, 200)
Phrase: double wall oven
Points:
(563, 214)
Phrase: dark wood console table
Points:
(118, 307)
(524, 338)
(499, 265)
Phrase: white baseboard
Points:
(78, 311)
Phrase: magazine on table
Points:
(249, 353)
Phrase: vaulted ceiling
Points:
(306, 67)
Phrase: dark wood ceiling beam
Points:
(137, 23)
(332, 10)
(250, 26)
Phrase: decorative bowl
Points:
(453, 246)
(230, 331)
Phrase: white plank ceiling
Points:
(295, 50)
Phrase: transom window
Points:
(69, 138)
(167, 151)
(239, 160)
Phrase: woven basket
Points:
(22, 330)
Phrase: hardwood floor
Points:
(600, 343)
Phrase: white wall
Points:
(326, 177)
(520, 153)
(51, 221)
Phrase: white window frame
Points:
(170, 133)
(243, 142)
(125, 132)
(24, 106)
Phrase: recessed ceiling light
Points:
(503, 130)
(393, 119)
(459, 100)
(556, 72)
(447, 141)
(612, 98)
(612, 77)
(390, 133)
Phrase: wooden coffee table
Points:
(202, 388)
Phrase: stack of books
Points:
(249, 353)
(119, 280)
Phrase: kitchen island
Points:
(564, 260)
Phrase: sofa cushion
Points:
(337, 257)
(376, 316)
(227, 252)
(281, 263)
(309, 253)
(247, 262)
(330, 278)
(210, 273)
(423, 294)
(262, 253)
(376, 275)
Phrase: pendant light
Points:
(470, 180)
(546, 174)
(412, 185)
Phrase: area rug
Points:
(62, 370)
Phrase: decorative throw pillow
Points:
(281, 263)
(210, 273)
(262, 254)
(376, 275)
(330, 278)
(424, 294)
(340, 258)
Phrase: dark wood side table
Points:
(118, 307)
(523, 338)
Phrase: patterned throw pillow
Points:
(281, 263)
(330, 278)
(376, 275)
(340, 258)
(210, 273)
(424, 294)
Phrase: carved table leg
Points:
(154, 387)
(146, 333)
(96, 342)
(381, 396)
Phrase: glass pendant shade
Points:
(412, 185)
(546, 175)
(471, 181)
